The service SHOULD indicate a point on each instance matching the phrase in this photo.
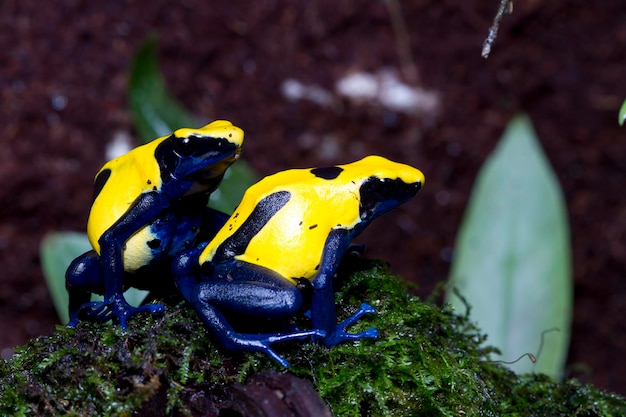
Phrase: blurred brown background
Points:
(275, 68)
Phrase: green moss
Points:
(426, 362)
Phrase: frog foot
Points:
(116, 309)
(263, 342)
(341, 335)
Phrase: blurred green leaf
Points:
(512, 261)
(154, 111)
(58, 250)
(235, 183)
(622, 114)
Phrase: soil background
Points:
(63, 79)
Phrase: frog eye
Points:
(185, 146)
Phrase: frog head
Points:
(196, 159)
(385, 186)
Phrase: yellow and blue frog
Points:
(274, 257)
(149, 205)
(291, 230)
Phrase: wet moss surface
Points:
(427, 361)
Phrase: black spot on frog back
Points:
(327, 173)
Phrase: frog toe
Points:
(295, 335)
(363, 310)
(263, 342)
(124, 314)
(116, 309)
(155, 310)
(342, 335)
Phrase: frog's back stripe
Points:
(98, 185)
(237, 243)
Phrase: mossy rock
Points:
(427, 361)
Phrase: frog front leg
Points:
(142, 212)
(323, 312)
(252, 291)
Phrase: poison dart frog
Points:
(149, 205)
(291, 228)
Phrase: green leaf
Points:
(512, 261)
(154, 111)
(58, 250)
(622, 114)
(235, 183)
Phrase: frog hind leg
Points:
(83, 277)
(252, 291)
